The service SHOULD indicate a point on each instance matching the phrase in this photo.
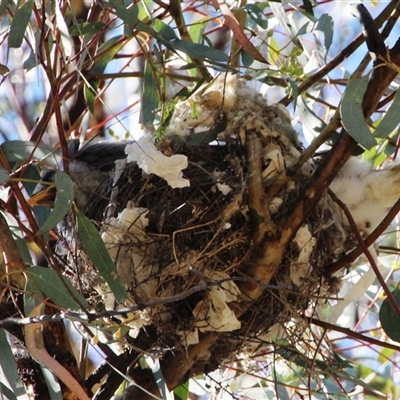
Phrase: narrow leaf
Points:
(64, 196)
(388, 317)
(97, 251)
(325, 24)
(257, 15)
(19, 24)
(129, 16)
(3, 6)
(352, 115)
(150, 97)
(182, 391)
(308, 7)
(3, 176)
(86, 28)
(55, 287)
(65, 39)
(9, 366)
(199, 51)
(112, 46)
(20, 150)
(164, 30)
(390, 120)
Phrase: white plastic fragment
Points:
(300, 269)
(152, 161)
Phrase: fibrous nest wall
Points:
(202, 233)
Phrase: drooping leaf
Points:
(108, 49)
(97, 251)
(64, 36)
(58, 288)
(3, 6)
(65, 193)
(150, 95)
(352, 115)
(389, 318)
(325, 24)
(20, 150)
(86, 28)
(308, 118)
(308, 7)
(257, 15)
(164, 30)
(391, 120)
(9, 366)
(182, 391)
(199, 51)
(129, 16)
(4, 176)
(90, 94)
(196, 30)
(19, 24)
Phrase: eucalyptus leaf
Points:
(129, 16)
(391, 120)
(98, 253)
(257, 15)
(58, 288)
(86, 28)
(9, 366)
(182, 391)
(3, 6)
(65, 193)
(388, 317)
(164, 30)
(4, 176)
(325, 24)
(352, 115)
(199, 51)
(19, 24)
(21, 150)
(150, 95)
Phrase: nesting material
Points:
(186, 217)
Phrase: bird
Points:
(368, 193)
(92, 167)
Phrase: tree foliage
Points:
(66, 68)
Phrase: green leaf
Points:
(352, 115)
(109, 49)
(9, 366)
(64, 37)
(196, 30)
(58, 288)
(4, 176)
(325, 24)
(130, 16)
(3, 6)
(19, 24)
(257, 15)
(389, 318)
(98, 253)
(308, 118)
(308, 7)
(390, 120)
(164, 30)
(86, 28)
(199, 51)
(182, 391)
(20, 150)
(90, 93)
(150, 97)
(64, 196)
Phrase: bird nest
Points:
(193, 245)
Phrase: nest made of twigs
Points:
(166, 241)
